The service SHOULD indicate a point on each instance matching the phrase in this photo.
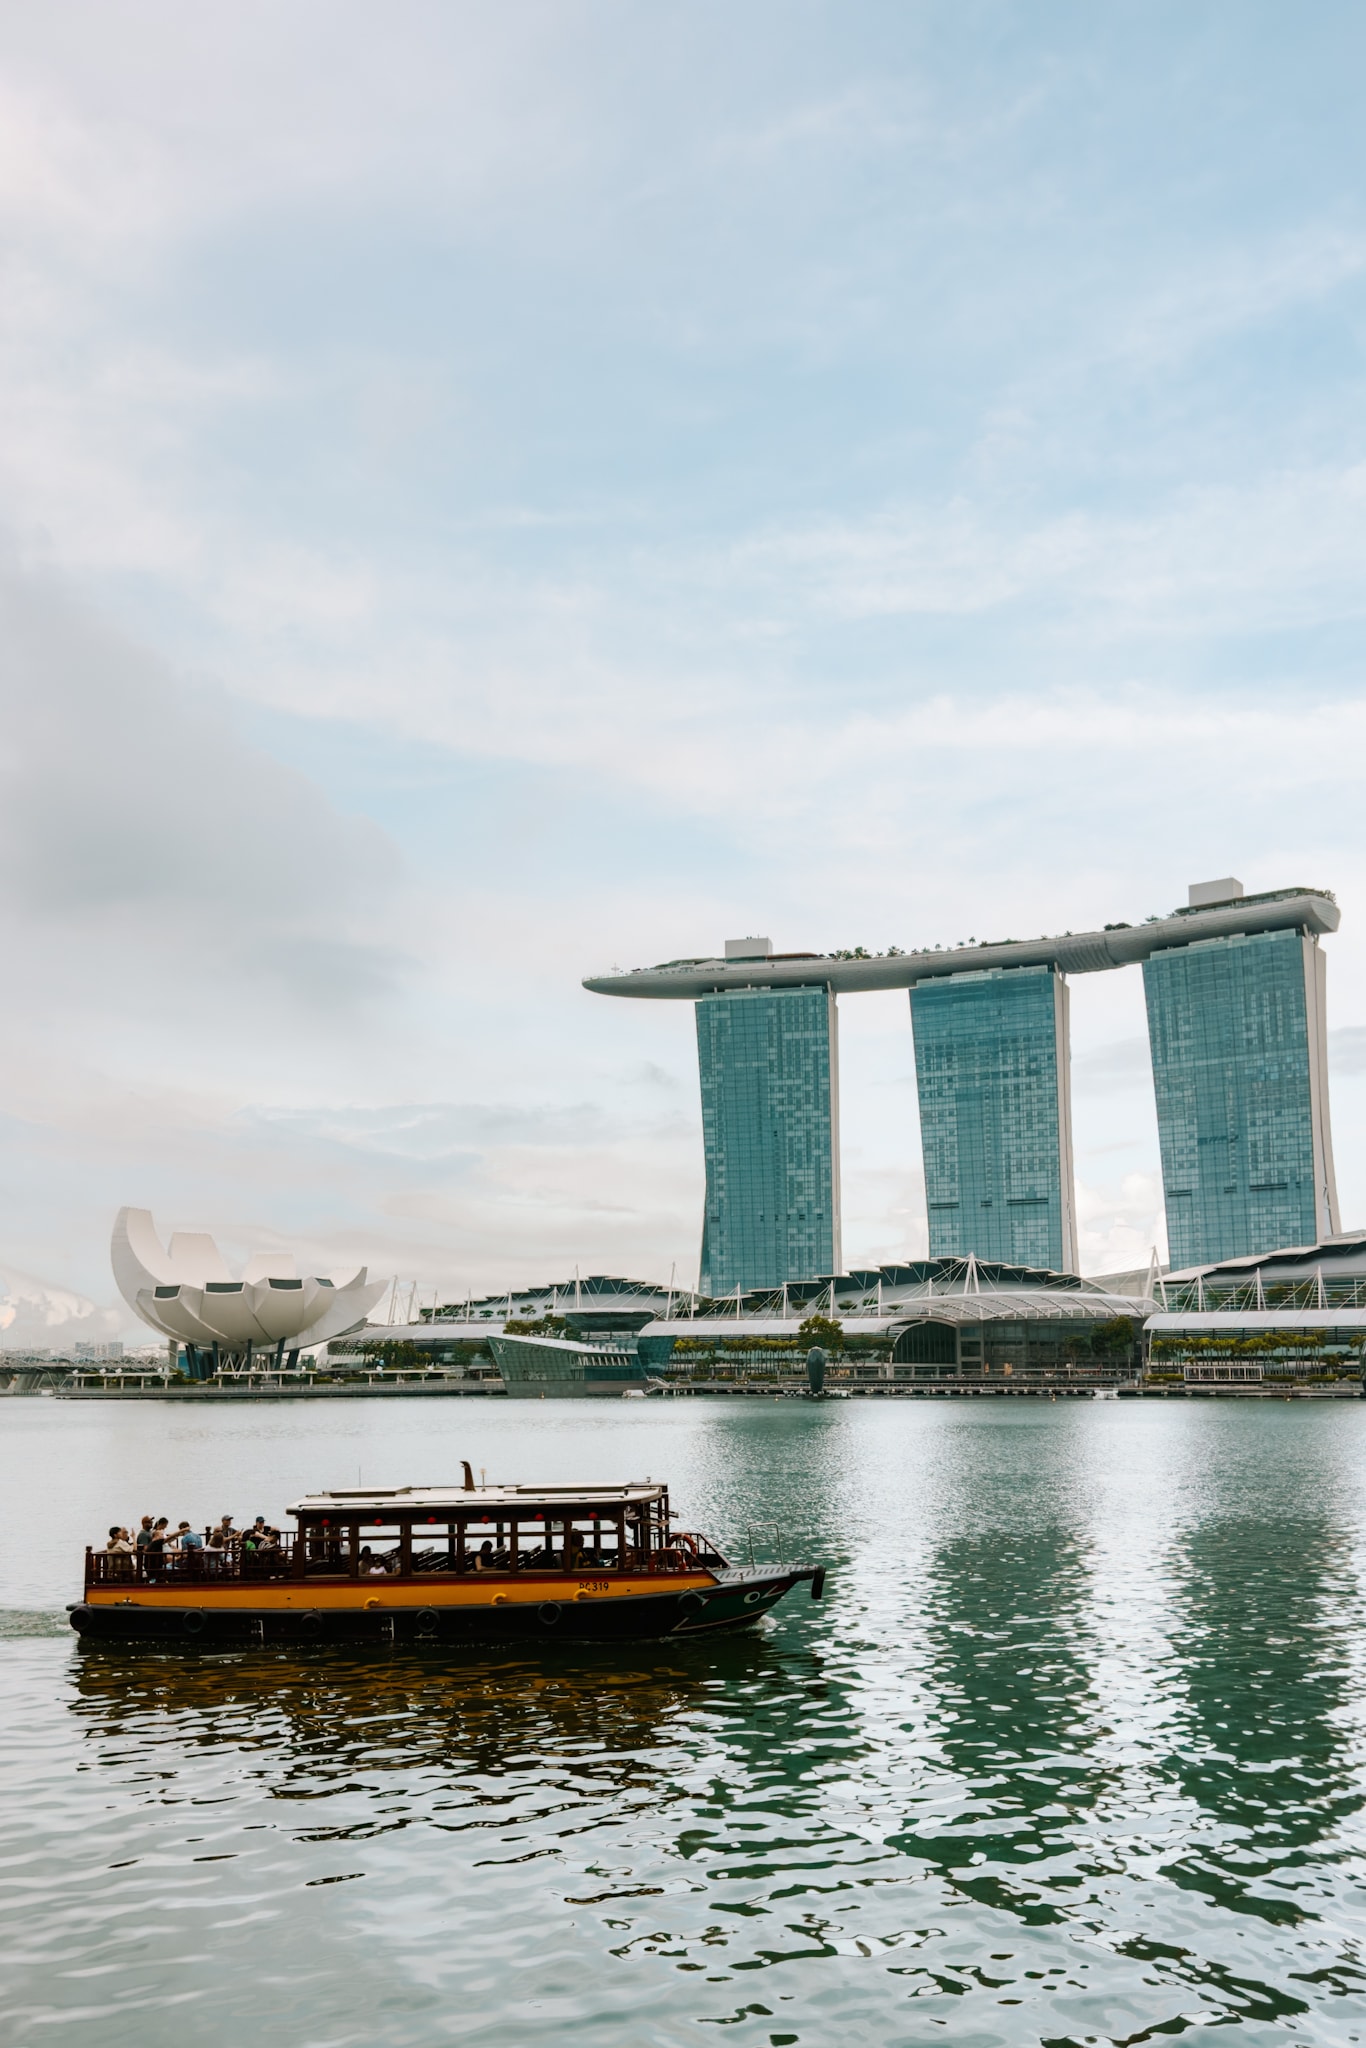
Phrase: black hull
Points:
(647, 1618)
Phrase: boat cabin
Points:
(417, 1531)
(504, 1529)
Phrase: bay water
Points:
(1072, 1752)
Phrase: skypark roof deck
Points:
(1311, 910)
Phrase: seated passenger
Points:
(372, 1567)
(483, 1561)
(119, 1551)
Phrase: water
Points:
(1072, 1753)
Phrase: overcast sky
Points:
(492, 492)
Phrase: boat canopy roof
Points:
(480, 1500)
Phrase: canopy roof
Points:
(438, 1500)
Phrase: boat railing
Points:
(332, 1556)
(148, 1567)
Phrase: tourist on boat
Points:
(484, 1558)
(154, 1554)
(224, 1536)
(188, 1538)
(119, 1542)
(255, 1535)
(144, 1535)
(372, 1567)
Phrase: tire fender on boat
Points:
(311, 1623)
(426, 1619)
(193, 1622)
(549, 1613)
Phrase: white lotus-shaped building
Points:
(184, 1290)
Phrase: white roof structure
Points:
(184, 1290)
(1216, 1321)
(370, 1502)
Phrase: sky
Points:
(490, 493)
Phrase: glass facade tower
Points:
(1239, 1046)
(768, 1064)
(993, 1073)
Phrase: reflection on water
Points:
(320, 1721)
(1263, 1747)
(1072, 1755)
(1012, 1652)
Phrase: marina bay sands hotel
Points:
(1236, 1027)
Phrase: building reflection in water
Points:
(1013, 1718)
(1266, 1610)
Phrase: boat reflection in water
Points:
(306, 1725)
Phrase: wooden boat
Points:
(514, 1564)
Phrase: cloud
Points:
(1124, 1064)
(34, 1315)
(1347, 1050)
(136, 818)
(1119, 1223)
(840, 492)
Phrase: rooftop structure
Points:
(1295, 1314)
(595, 1302)
(1118, 945)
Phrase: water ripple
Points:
(1074, 1755)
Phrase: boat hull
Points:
(356, 1613)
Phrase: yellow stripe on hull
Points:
(367, 1596)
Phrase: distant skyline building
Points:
(769, 1070)
(1238, 1034)
(1235, 990)
(993, 1073)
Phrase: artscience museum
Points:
(184, 1291)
